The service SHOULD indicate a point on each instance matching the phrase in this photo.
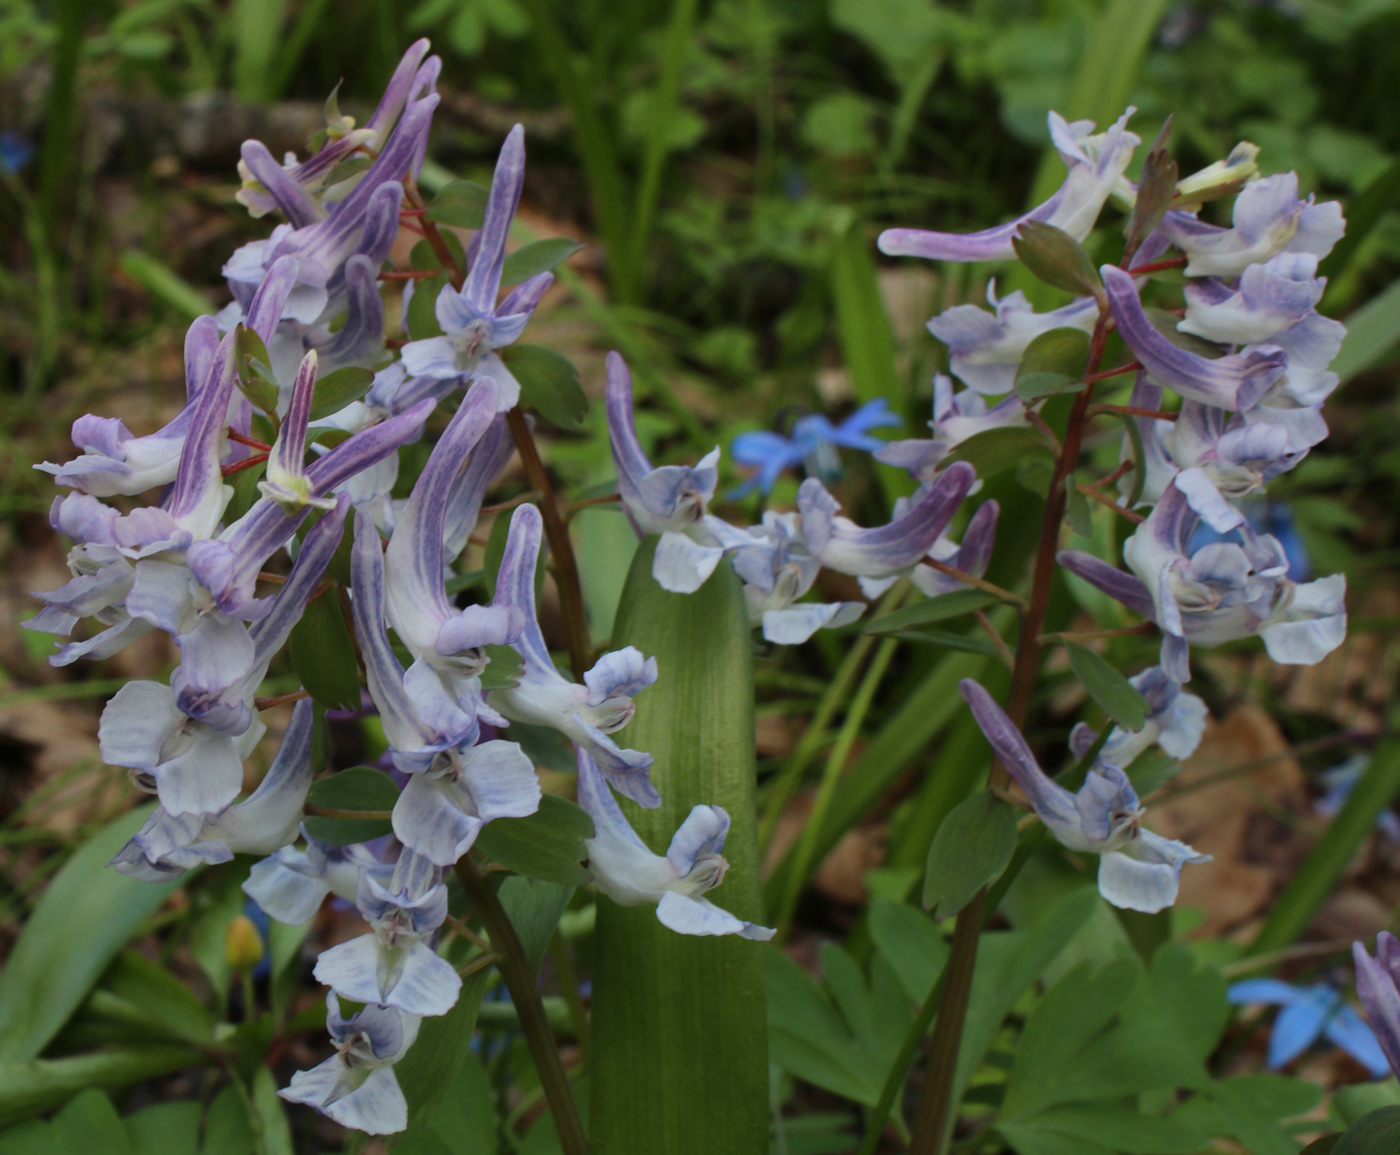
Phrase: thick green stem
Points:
(519, 978)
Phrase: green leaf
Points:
(346, 831)
(228, 1130)
(911, 943)
(245, 491)
(464, 1121)
(1053, 363)
(937, 609)
(360, 788)
(165, 1129)
(323, 655)
(535, 907)
(337, 389)
(541, 256)
(1078, 516)
(89, 1123)
(1252, 1110)
(272, 1125)
(495, 550)
(503, 670)
(1130, 426)
(1156, 188)
(692, 1066)
(163, 283)
(971, 848)
(1372, 333)
(1327, 1145)
(142, 992)
(421, 317)
(424, 257)
(1364, 212)
(546, 845)
(1151, 770)
(35, 1085)
(994, 450)
(1105, 1127)
(549, 384)
(1056, 258)
(432, 1064)
(1372, 1134)
(84, 917)
(254, 368)
(1113, 693)
(461, 204)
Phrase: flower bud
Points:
(243, 945)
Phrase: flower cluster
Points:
(307, 306)
(1247, 360)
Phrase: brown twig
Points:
(1134, 411)
(246, 463)
(1158, 266)
(434, 238)
(280, 699)
(1130, 367)
(1089, 635)
(408, 274)
(1105, 500)
(980, 616)
(980, 583)
(1125, 468)
(251, 442)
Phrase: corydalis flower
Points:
(1378, 986)
(1175, 721)
(956, 417)
(396, 964)
(888, 550)
(1138, 870)
(455, 785)
(777, 568)
(356, 1086)
(812, 445)
(473, 324)
(1096, 164)
(291, 884)
(585, 714)
(671, 500)
(632, 875)
(168, 845)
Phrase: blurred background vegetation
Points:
(729, 163)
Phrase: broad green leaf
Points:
(165, 1129)
(30, 1086)
(971, 848)
(548, 384)
(84, 917)
(337, 389)
(424, 257)
(1183, 1003)
(140, 991)
(911, 943)
(421, 316)
(433, 1062)
(1113, 693)
(323, 655)
(1364, 212)
(354, 789)
(678, 1050)
(1007, 965)
(284, 950)
(993, 450)
(1374, 1133)
(545, 747)
(1053, 363)
(227, 1129)
(463, 1123)
(1151, 770)
(539, 257)
(89, 1123)
(938, 609)
(546, 845)
(535, 907)
(245, 491)
(495, 550)
(1327, 1145)
(503, 670)
(273, 1126)
(1252, 1111)
(461, 204)
(1056, 258)
(213, 908)
(1106, 1126)
(346, 831)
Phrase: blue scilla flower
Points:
(1308, 1013)
(15, 151)
(812, 445)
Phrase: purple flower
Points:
(1378, 986)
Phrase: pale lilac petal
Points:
(699, 916)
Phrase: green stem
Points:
(568, 982)
(899, 1069)
(835, 763)
(787, 779)
(519, 978)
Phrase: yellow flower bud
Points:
(243, 945)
